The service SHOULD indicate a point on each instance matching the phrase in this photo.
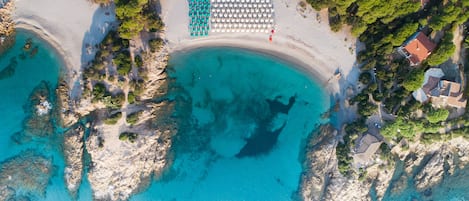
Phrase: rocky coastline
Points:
(7, 26)
(73, 152)
(426, 164)
(118, 167)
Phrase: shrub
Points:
(113, 119)
(116, 101)
(365, 78)
(131, 97)
(128, 136)
(133, 118)
(414, 80)
(123, 63)
(138, 61)
(437, 115)
(99, 91)
(155, 44)
(443, 52)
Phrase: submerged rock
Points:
(9, 70)
(25, 175)
(39, 121)
(73, 151)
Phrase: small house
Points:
(417, 48)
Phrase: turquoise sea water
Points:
(247, 116)
(243, 118)
(25, 71)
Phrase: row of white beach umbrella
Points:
(242, 5)
(241, 30)
(240, 25)
(241, 1)
(252, 10)
(242, 20)
(239, 15)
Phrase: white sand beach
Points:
(303, 38)
(68, 25)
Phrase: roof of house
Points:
(366, 147)
(430, 81)
(453, 91)
(367, 144)
(419, 47)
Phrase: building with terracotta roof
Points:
(417, 48)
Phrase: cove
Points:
(243, 120)
(23, 73)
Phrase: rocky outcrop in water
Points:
(73, 151)
(429, 164)
(120, 168)
(7, 26)
(320, 164)
(67, 116)
(25, 175)
(39, 124)
(321, 179)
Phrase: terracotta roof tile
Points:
(419, 48)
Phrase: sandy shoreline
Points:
(296, 57)
(71, 27)
(54, 45)
(308, 44)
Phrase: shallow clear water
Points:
(247, 118)
(16, 87)
(243, 118)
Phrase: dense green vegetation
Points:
(134, 16)
(387, 77)
(100, 93)
(444, 51)
(128, 136)
(414, 80)
(437, 115)
(123, 63)
(344, 159)
(155, 44)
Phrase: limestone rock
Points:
(67, 116)
(319, 164)
(73, 151)
(431, 173)
(120, 168)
